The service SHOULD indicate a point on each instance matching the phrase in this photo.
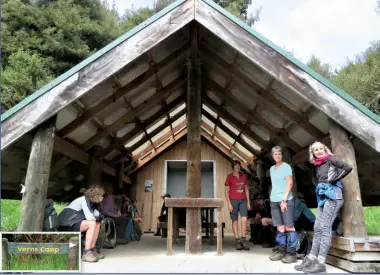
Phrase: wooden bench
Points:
(191, 203)
(164, 227)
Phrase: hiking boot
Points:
(289, 258)
(239, 246)
(255, 234)
(315, 267)
(90, 257)
(306, 263)
(121, 241)
(98, 255)
(157, 233)
(244, 244)
(278, 255)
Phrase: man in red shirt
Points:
(237, 195)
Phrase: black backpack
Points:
(303, 244)
(109, 239)
(50, 217)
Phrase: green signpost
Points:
(71, 249)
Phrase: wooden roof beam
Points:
(74, 153)
(156, 131)
(265, 145)
(135, 83)
(225, 129)
(265, 94)
(279, 133)
(149, 103)
(140, 127)
(223, 151)
(160, 150)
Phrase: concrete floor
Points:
(149, 256)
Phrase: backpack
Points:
(303, 244)
(109, 239)
(50, 217)
(131, 231)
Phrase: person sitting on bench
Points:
(135, 212)
(261, 222)
(110, 211)
(163, 215)
(303, 217)
(82, 215)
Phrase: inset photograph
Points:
(41, 252)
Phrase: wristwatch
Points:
(284, 201)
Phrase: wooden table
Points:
(187, 203)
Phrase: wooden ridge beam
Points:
(144, 139)
(145, 124)
(160, 150)
(265, 145)
(65, 131)
(223, 151)
(265, 94)
(237, 138)
(253, 116)
(72, 152)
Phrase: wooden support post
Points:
(73, 258)
(261, 174)
(211, 225)
(37, 179)
(353, 214)
(5, 255)
(287, 157)
(119, 174)
(194, 109)
(219, 238)
(169, 249)
(94, 171)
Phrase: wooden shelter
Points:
(193, 71)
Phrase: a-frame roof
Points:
(130, 97)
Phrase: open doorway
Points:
(175, 179)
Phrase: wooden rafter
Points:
(122, 158)
(237, 138)
(137, 82)
(264, 94)
(74, 153)
(161, 149)
(221, 149)
(265, 145)
(140, 127)
(277, 132)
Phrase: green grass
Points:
(10, 212)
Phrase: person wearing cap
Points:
(163, 215)
(261, 224)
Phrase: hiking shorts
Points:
(282, 218)
(239, 206)
(74, 228)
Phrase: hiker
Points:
(109, 210)
(261, 223)
(328, 171)
(163, 215)
(82, 215)
(282, 209)
(134, 211)
(237, 195)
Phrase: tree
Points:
(239, 8)
(323, 69)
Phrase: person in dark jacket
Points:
(82, 215)
(163, 215)
(328, 171)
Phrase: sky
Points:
(332, 30)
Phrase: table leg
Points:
(211, 226)
(219, 238)
(207, 223)
(170, 232)
(175, 225)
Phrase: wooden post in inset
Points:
(37, 179)
(5, 255)
(287, 157)
(219, 238)
(353, 214)
(73, 257)
(169, 249)
(260, 174)
(94, 168)
(194, 108)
